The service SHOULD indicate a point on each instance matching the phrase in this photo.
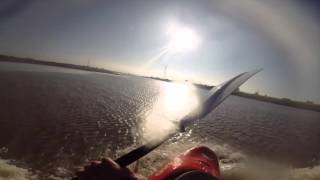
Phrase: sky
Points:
(282, 37)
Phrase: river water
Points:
(54, 119)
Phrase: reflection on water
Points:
(54, 122)
(175, 100)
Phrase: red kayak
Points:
(196, 163)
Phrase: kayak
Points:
(196, 163)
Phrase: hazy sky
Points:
(235, 36)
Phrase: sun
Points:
(182, 38)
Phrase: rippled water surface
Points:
(53, 119)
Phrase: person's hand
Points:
(104, 169)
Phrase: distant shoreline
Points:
(281, 101)
(308, 105)
(4, 58)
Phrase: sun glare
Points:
(174, 101)
(182, 38)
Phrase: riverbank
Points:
(309, 105)
(5, 58)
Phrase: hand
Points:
(104, 169)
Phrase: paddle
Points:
(215, 96)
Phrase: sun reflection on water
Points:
(175, 100)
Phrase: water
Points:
(54, 119)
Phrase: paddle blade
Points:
(217, 95)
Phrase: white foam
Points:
(234, 165)
(305, 173)
(12, 172)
